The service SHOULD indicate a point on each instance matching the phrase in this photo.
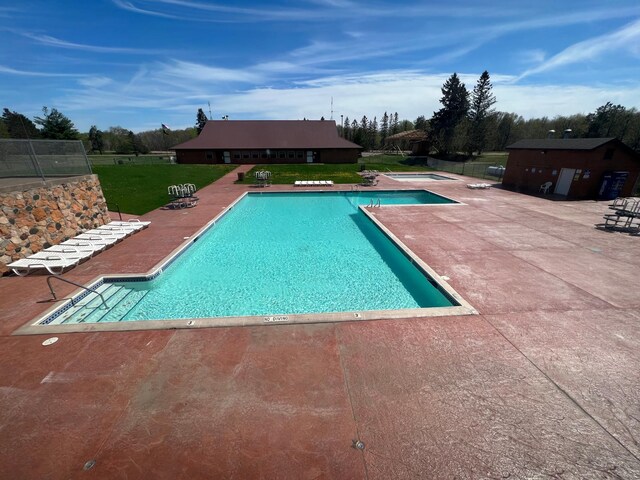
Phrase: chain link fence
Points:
(42, 159)
(490, 171)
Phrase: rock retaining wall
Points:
(36, 216)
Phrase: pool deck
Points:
(543, 383)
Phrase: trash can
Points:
(240, 176)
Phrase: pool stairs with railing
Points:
(119, 298)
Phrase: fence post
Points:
(86, 159)
(34, 159)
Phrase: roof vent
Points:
(551, 133)
(567, 133)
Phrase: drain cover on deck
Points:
(358, 444)
(50, 341)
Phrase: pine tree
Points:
(364, 136)
(56, 126)
(395, 124)
(373, 133)
(384, 128)
(455, 105)
(201, 120)
(355, 132)
(346, 131)
(18, 126)
(482, 99)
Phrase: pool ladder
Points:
(372, 205)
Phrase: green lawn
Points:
(339, 173)
(114, 159)
(138, 189)
(287, 174)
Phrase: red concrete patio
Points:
(542, 384)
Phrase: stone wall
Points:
(37, 215)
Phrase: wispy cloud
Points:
(95, 82)
(132, 8)
(30, 73)
(535, 56)
(591, 49)
(410, 92)
(56, 42)
(313, 11)
(195, 72)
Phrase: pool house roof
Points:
(264, 134)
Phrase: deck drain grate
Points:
(358, 444)
(50, 341)
(89, 465)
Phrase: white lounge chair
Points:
(134, 222)
(97, 246)
(119, 235)
(116, 230)
(70, 251)
(55, 265)
(98, 239)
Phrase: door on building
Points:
(227, 157)
(564, 181)
(309, 156)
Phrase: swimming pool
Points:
(276, 256)
(414, 177)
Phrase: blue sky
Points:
(137, 63)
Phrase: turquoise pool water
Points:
(276, 254)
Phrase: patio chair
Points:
(544, 188)
(55, 265)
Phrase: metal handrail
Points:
(117, 209)
(50, 277)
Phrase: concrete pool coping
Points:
(36, 326)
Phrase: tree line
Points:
(467, 123)
(53, 125)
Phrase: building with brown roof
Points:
(268, 141)
(578, 168)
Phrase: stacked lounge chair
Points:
(58, 258)
(313, 183)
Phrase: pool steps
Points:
(120, 300)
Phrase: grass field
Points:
(339, 173)
(130, 159)
(138, 189)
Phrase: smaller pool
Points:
(416, 177)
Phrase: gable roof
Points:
(560, 144)
(410, 135)
(267, 134)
